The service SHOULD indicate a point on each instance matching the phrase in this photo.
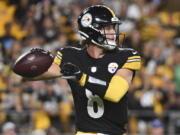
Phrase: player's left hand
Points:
(71, 71)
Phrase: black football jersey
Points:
(94, 114)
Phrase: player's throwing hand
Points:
(71, 71)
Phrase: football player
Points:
(99, 74)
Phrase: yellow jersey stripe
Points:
(59, 53)
(133, 60)
(82, 81)
(136, 65)
(89, 133)
(134, 57)
(57, 60)
(85, 133)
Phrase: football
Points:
(33, 63)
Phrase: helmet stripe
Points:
(112, 12)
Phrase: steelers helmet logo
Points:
(86, 20)
(112, 67)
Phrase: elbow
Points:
(115, 100)
(116, 97)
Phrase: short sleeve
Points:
(66, 54)
(58, 57)
(133, 61)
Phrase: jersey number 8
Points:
(94, 101)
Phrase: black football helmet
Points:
(91, 23)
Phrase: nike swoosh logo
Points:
(134, 52)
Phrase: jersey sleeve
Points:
(62, 55)
(66, 54)
(133, 61)
(58, 57)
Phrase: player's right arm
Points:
(55, 71)
(52, 72)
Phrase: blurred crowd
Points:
(152, 27)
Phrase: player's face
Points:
(110, 33)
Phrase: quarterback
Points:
(99, 73)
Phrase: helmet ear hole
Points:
(96, 25)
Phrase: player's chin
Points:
(111, 42)
(110, 46)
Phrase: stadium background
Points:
(46, 108)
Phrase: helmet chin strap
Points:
(111, 42)
(110, 45)
(105, 45)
